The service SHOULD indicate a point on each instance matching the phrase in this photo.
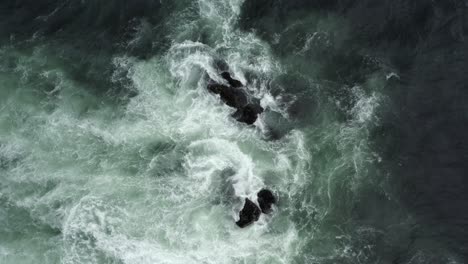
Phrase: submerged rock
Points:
(266, 199)
(248, 107)
(249, 214)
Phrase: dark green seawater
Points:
(112, 150)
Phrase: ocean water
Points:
(112, 150)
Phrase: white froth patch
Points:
(215, 155)
(353, 136)
(206, 243)
(363, 110)
(104, 194)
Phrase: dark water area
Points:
(423, 134)
(377, 91)
(86, 34)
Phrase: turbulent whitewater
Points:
(112, 150)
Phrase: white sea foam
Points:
(185, 215)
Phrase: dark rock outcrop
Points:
(266, 199)
(249, 214)
(232, 82)
(234, 97)
(248, 107)
(248, 114)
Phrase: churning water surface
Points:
(112, 150)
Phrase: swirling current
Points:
(112, 150)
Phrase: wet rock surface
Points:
(266, 199)
(233, 95)
(249, 214)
